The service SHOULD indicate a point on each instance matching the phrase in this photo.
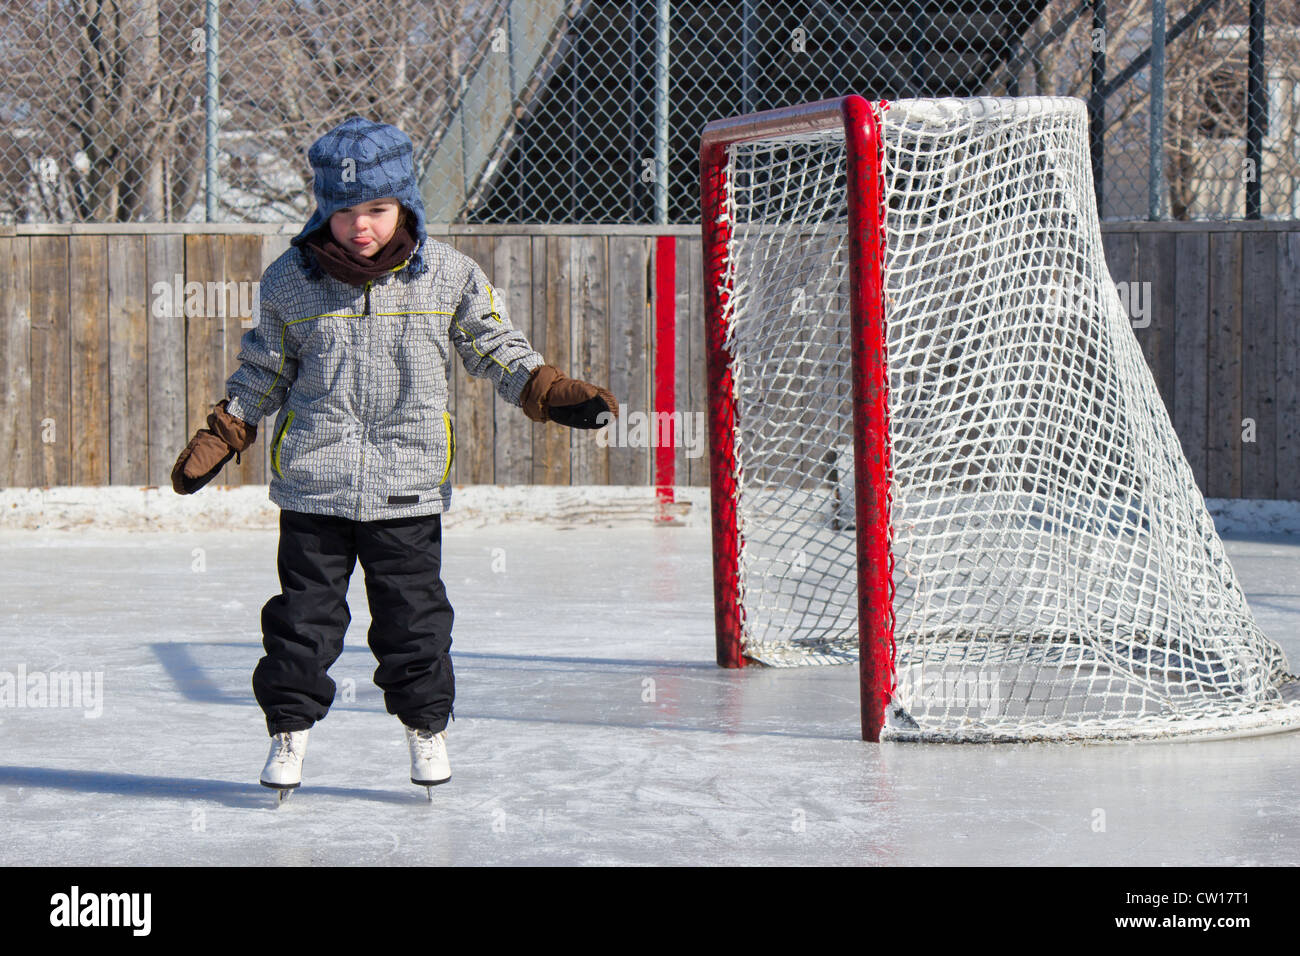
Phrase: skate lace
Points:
(427, 743)
(284, 749)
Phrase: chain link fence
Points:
(563, 111)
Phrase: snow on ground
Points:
(592, 727)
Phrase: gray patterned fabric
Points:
(359, 380)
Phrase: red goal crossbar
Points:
(870, 383)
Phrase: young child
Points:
(352, 349)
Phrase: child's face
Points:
(365, 229)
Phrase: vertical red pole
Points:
(665, 371)
(870, 385)
(716, 228)
(870, 414)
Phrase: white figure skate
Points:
(429, 763)
(283, 770)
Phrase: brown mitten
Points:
(210, 449)
(550, 395)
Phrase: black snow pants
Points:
(303, 627)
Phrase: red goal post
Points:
(869, 382)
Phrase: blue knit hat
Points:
(356, 162)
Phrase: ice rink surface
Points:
(592, 727)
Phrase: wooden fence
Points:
(1223, 340)
(104, 376)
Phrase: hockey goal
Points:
(936, 448)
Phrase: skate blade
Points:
(430, 783)
(282, 791)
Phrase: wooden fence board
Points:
(1259, 364)
(589, 348)
(16, 465)
(1191, 350)
(205, 339)
(165, 275)
(51, 426)
(88, 339)
(1288, 366)
(1223, 445)
(1121, 255)
(128, 361)
(1156, 291)
(629, 352)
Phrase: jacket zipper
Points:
(361, 467)
(451, 445)
(279, 439)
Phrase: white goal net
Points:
(1056, 572)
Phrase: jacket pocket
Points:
(451, 446)
(279, 439)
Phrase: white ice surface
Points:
(557, 758)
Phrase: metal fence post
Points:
(661, 111)
(1156, 169)
(210, 107)
(1256, 113)
(1097, 101)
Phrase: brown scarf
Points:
(347, 266)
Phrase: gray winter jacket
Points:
(359, 378)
